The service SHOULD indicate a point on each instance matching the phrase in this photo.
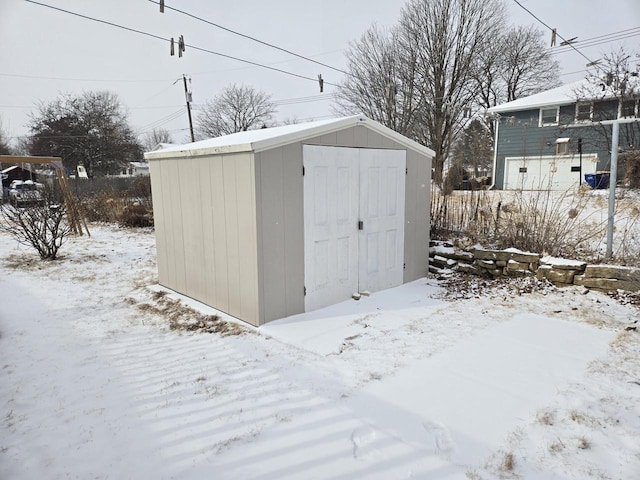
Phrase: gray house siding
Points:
(280, 223)
(519, 135)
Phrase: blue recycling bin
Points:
(597, 180)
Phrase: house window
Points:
(562, 146)
(628, 108)
(584, 112)
(549, 116)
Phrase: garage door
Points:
(558, 173)
(353, 222)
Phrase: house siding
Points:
(519, 135)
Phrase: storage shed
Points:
(273, 222)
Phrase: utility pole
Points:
(189, 99)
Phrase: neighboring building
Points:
(273, 222)
(538, 138)
(134, 169)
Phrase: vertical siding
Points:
(207, 240)
(417, 216)
(281, 231)
(191, 211)
(177, 270)
(159, 219)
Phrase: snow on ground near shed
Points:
(406, 383)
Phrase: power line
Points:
(39, 77)
(151, 35)
(593, 42)
(162, 121)
(313, 98)
(589, 61)
(249, 37)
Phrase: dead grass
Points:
(556, 447)
(583, 443)
(183, 318)
(545, 417)
(23, 262)
(508, 463)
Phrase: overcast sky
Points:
(45, 52)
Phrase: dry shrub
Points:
(461, 213)
(540, 221)
(125, 201)
(630, 162)
(135, 215)
(102, 207)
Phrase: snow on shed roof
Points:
(267, 138)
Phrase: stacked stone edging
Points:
(444, 258)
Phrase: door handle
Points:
(360, 225)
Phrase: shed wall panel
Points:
(208, 229)
(219, 244)
(247, 236)
(177, 272)
(159, 198)
(192, 228)
(272, 247)
(207, 240)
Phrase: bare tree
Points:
(42, 226)
(5, 148)
(443, 38)
(611, 90)
(515, 64)
(417, 77)
(380, 84)
(238, 108)
(156, 137)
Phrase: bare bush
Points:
(126, 202)
(630, 162)
(544, 221)
(42, 226)
(462, 213)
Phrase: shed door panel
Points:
(343, 186)
(330, 225)
(381, 252)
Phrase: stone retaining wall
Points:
(444, 258)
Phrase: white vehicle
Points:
(23, 193)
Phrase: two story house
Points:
(550, 140)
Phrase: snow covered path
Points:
(404, 384)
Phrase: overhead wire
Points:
(312, 98)
(249, 37)
(110, 80)
(162, 121)
(168, 40)
(592, 42)
(570, 44)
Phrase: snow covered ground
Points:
(493, 381)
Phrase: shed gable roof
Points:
(267, 138)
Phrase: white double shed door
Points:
(353, 222)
